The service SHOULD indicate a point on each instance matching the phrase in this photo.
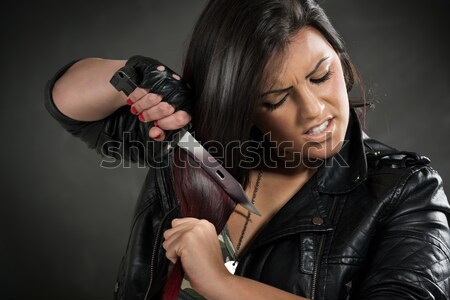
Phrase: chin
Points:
(312, 153)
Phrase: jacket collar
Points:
(345, 170)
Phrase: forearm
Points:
(84, 92)
(241, 288)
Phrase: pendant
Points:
(231, 266)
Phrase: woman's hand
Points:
(195, 242)
(162, 96)
(150, 107)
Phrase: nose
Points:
(310, 105)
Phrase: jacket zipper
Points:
(316, 267)
(319, 255)
(155, 246)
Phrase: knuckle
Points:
(166, 108)
(197, 229)
(180, 119)
(147, 100)
(174, 222)
(158, 98)
(153, 99)
(189, 237)
(205, 224)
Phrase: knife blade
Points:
(186, 141)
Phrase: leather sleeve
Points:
(411, 258)
(119, 137)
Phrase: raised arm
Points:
(81, 98)
(84, 93)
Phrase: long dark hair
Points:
(229, 51)
(225, 64)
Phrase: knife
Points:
(186, 141)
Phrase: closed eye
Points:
(272, 107)
(322, 79)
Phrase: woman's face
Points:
(305, 108)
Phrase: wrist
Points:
(221, 287)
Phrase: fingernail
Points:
(158, 136)
(129, 102)
(134, 111)
(141, 117)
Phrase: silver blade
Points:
(186, 141)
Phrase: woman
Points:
(343, 216)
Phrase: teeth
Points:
(320, 128)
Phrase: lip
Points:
(323, 135)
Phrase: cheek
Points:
(279, 123)
(342, 105)
(339, 87)
(269, 122)
(278, 127)
(341, 92)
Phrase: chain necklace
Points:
(231, 265)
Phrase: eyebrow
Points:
(316, 67)
(279, 91)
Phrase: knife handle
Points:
(123, 83)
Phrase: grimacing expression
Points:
(306, 108)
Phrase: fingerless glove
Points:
(143, 71)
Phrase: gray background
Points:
(64, 220)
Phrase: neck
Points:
(290, 162)
(278, 185)
(290, 165)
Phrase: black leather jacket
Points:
(372, 223)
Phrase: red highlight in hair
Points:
(199, 197)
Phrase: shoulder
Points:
(381, 156)
(383, 159)
(404, 197)
(406, 177)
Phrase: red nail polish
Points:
(141, 117)
(129, 102)
(134, 111)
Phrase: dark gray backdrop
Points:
(65, 220)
